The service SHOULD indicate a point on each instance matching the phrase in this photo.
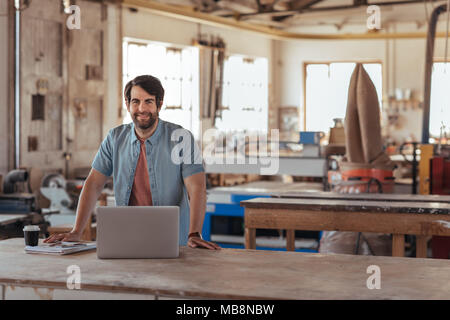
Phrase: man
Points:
(146, 171)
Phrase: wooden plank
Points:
(349, 205)
(422, 246)
(426, 153)
(270, 188)
(250, 238)
(11, 218)
(418, 224)
(42, 58)
(89, 127)
(398, 245)
(364, 197)
(290, 240)
(238, 274)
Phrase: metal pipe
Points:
(428, 70)
(17, 90)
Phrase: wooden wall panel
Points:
(42, 47)
(52, 52)
(87, 46)
(89, 128)
(42, 59)
(48, 131)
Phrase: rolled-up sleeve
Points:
(193, 164)
(103, 160)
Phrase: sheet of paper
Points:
(62, 248)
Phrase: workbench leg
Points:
(3, 290)
(290, 240)
(421, 246)
(398, 245)
(250, 238)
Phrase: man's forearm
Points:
(86, 205)
(197, 211)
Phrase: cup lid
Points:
(31, 228)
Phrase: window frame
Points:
(435, 60)
(329, 62)
(251, 59)
(126, 41)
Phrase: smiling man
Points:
(141, 160)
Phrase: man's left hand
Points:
(198, 242)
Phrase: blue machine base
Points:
(233, 209)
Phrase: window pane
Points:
(375, 73)
(317, 101)
(177, 69)
(327, 91)
(245, 93)
(440, 99)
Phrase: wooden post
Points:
(290, 240)
(398, 245)
(421, 246)
(250, 238)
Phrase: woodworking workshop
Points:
(224, 150)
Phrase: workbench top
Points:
(363, 196)
(348, 205)
(233, 274)
(270, 188)
(10, 218)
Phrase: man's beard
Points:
(145, 124)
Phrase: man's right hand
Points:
(69, 237)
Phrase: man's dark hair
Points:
(150, 84)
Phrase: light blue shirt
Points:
(172, 156)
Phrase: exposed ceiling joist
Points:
(310, 9)
(302, 4)
(199, 17)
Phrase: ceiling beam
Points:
(332, 8)
(208, 19)
(302, 4)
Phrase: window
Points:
(440, 99)
(177, 69)
(245, 95)
(327, 91)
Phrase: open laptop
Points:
(138, 232)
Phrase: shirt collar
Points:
(153, 138)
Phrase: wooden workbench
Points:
(422, 219)
(225, 274)
(11, 218)
(362, 196)
(275, 188)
